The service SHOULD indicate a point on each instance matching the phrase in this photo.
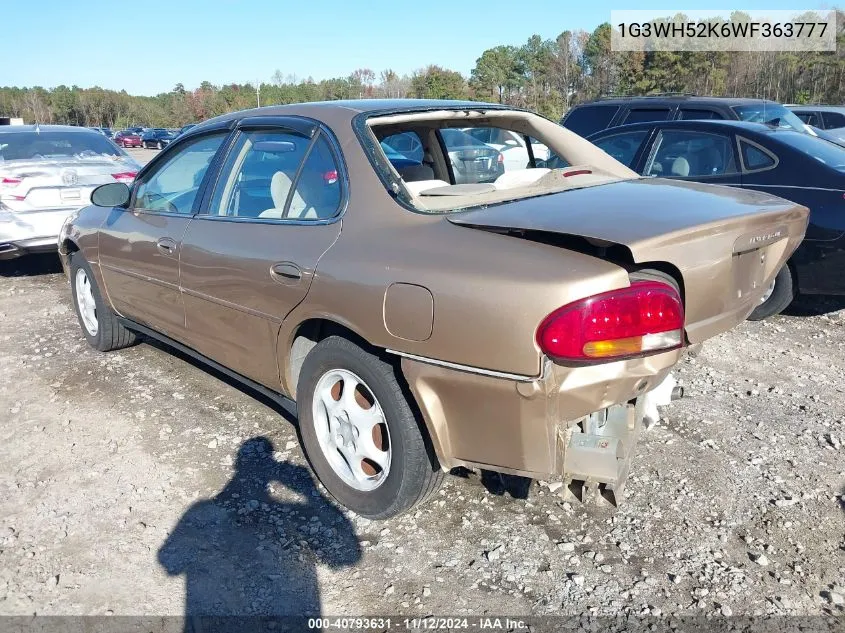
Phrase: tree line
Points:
(549, 76)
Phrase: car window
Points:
(623, 147)
(265, 177)
(810, 118)
(404, 145)
(640, 115)
(694, 114)
(587, 120)
(693, 154)
(770, 114)
(173, 186)
(833, 120)
(755, 158)
(46, 145)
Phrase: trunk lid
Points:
(56, 184)
(728, 244)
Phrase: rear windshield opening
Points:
(466, 159)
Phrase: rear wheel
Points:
(99, 323)
(360, 433)
(778, 296)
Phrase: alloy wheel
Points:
(351, 429)
(85, 302)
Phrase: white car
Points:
(46, 173)
(513, 146)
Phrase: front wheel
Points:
(360, 433)
(779, 295)
(99, 323)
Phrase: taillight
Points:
(646, 317)
(501, 158)
(330, 177)
(6, 181)
(125, 176)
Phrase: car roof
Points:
(357, 106)
(737, 126)
(674, 99)
(73, 129)
(817, 108)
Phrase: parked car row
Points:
(743, 143)
(388, 328)
(151, 138)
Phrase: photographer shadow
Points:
(248, 557)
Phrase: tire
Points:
(109, 333)
(412, 473)
(782, 295)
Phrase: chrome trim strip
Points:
(466, 368)
(756, 186)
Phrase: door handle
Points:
(286, 272)
(166, 245)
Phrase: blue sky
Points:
(147, 47)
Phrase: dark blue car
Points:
(783, 162)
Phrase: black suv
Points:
(589, 118)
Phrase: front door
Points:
(140, 246)
(248, 259)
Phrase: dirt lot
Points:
(136, 482)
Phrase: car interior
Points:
(431, 184)
(682, 154)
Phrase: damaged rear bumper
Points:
(577, 423)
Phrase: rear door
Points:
(140, 246)
(249, 258)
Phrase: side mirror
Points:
(113, 194)
(539, 162)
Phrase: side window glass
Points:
(623, 147)
(691, 154)
(173, 187)
(586, 120)
(755, 158)
(403, 148)
(258, 173)
(262, 178)
(317, 192)
(689, 113)
(648, 114)
(833, 120)
(808, 117)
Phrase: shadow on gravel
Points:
(814, 305)
(31, 265)
(245, 553)
(496, 483)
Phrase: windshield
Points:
(29, 145)
(823, 151)
(770, 114)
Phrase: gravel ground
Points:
(136, 482)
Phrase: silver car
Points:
(47, 172)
